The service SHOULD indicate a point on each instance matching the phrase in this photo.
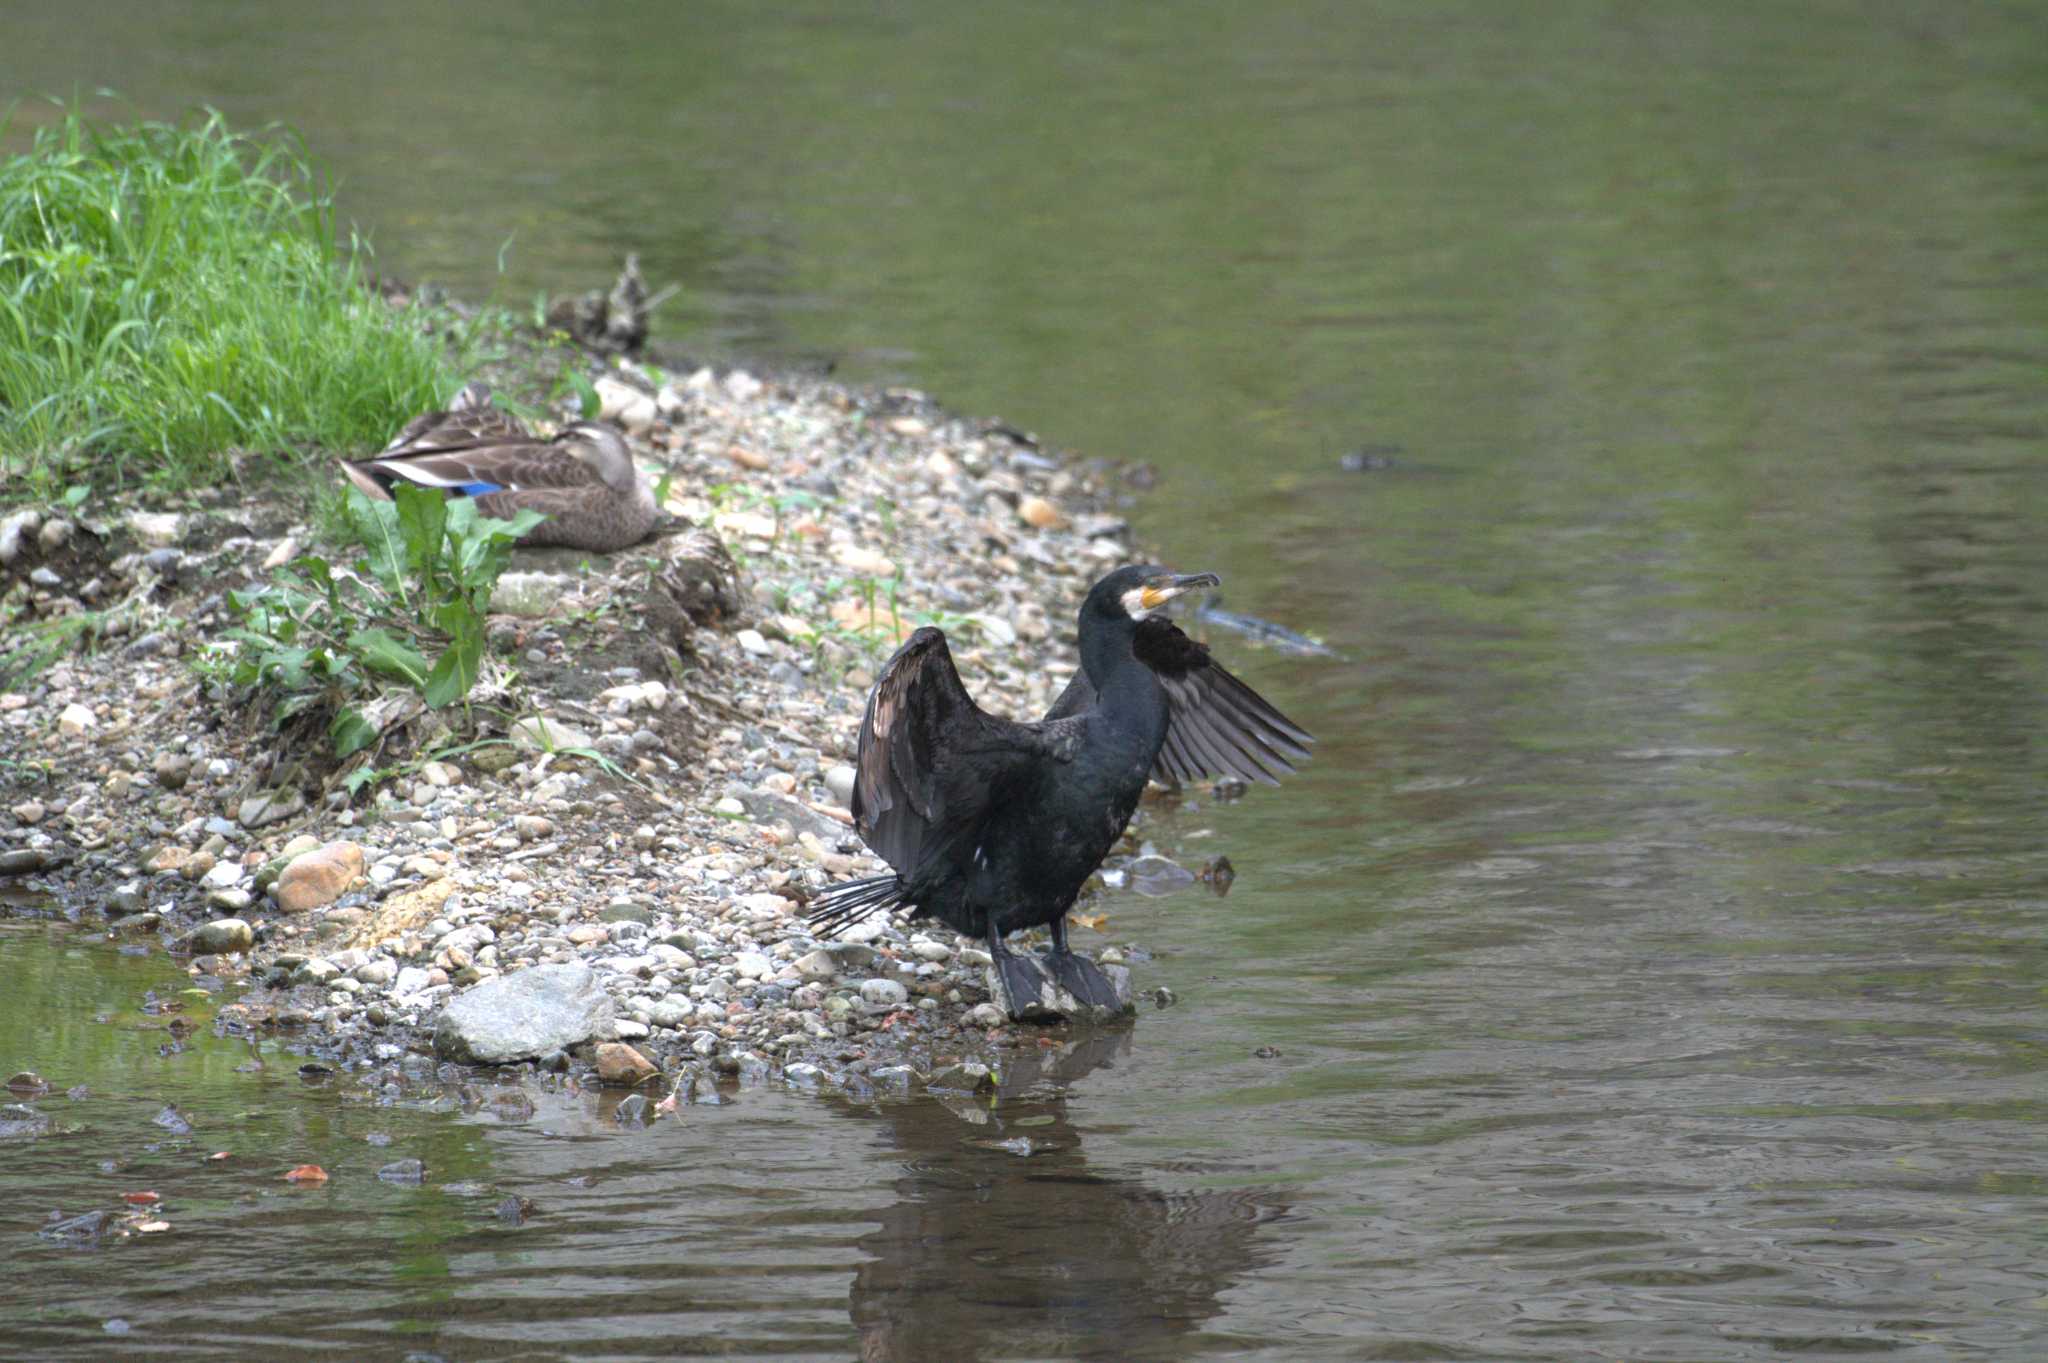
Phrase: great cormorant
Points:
(993, 825)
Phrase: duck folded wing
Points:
(586, 517)
(472, 468)
(470, 417)
(931, 760)
(1216, 725)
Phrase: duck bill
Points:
(1159, 591)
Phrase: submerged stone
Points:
(19, 1120)
(77, 1230)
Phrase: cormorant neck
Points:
(1106, 644)
(1125, 687)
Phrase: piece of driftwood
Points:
(696, 585)
(609, 323)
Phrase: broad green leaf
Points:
(422, 523)
(381, 651)
(315, 570)
(449, 680)
(286, 667)
(376, 526)
(455, 670)
(349, 732)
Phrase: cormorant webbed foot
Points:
(1021, 987)
(1030, 989)
(1094, 994)
(1080, 977)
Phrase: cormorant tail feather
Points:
(851, 901)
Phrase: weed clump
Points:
(337, 643)
(172, 293)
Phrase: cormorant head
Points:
(1136, 592)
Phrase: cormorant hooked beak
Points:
(1161, 590)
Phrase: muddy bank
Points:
(711, 684)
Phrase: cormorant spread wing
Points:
(1217, 725)
(932, 761)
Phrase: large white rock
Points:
(525, 1015)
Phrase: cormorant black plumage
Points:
(992, 825)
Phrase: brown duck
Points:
(582, 480)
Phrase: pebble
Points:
(318, 877)
(315, 971)
(752, 641)
(1039, 513)
(171, 770)
(619, 1063)
(220, 936)
(884, 993)
(12, 530)
(624, 405)
(816, 966)
(268, 807)
(867, 562)
(530, 595)
(75, 720)
(669, 1012)
(157, 529)
(223, 875)
(541, 734)
(298, 846)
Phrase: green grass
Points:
(169, 294)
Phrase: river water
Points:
(1651, 965)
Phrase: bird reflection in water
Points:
(1004, 1243)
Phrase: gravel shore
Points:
(720, 673)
